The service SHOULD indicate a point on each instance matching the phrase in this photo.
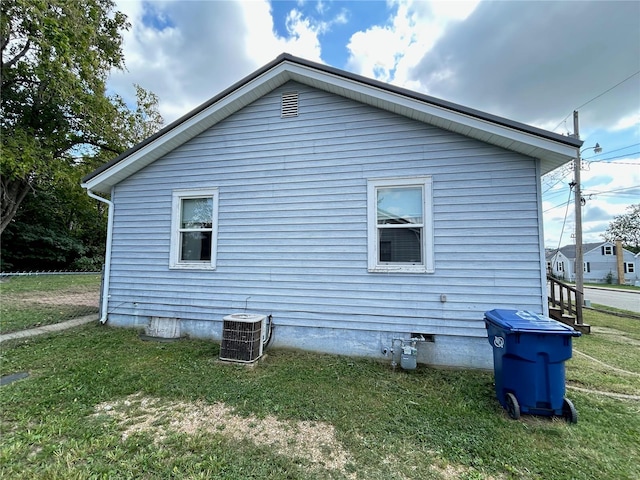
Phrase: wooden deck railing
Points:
(565, 301)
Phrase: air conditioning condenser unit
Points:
(242, 337)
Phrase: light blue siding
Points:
(292, 233)
(601, 265)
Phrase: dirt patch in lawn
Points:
(84, 299)
(313, 441)
(615, 335)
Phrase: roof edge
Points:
(286, 57)
(186, 117)
(455, 107)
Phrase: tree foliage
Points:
(56, 57)
(58, 226)
(57, 123)
(626, 227)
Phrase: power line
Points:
(587, 193)
(607, 91)
(614, 158)
(617, 190)
(566, 212)
(557, 182)
(611, 151)
(596, 97)
(635, 164)
(555, 196)
(563, 204)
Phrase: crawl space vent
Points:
(242, 337)
(289, 105)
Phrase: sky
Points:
(530, 61)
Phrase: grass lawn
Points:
(32, 301)
(101, 403)
(632, 288)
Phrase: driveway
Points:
(623, 299)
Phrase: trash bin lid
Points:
(525, 321)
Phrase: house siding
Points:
(598, 265)
(292, 232)
(601, 266)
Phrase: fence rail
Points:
(49, 272)
(565, 302)
(32, 299)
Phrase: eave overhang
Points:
(551, 149)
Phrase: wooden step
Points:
(556, 314)
(571, 321)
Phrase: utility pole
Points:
(579, 262)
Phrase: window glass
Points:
(400, 237)
(197, 212)
(399, 205)
(401, 245)
(194, 229)
(195, 246)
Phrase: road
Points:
(626, 300)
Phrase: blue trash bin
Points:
(529, 351)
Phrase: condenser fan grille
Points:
(241, 340)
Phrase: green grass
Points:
(615, 342)
(49, 282)
(611, 285)
(430, 423)
(31, 301)
(608, 309)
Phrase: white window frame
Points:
(427, 265)
(608, 250)
(629, 267)
(174, 255)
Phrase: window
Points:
(629, 267)
(607, 250)
(400, 230)
(587, 267)
(194, 229)
(560, 266)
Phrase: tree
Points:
(55, 115)
(626, 227)
(58, 226)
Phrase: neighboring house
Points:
(558, 264)
(600, 263)
(352, 211)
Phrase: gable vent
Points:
(289, 105)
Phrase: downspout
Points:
(107, 255)
(543, 260)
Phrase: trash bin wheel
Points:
(513, 408)
(569, 412)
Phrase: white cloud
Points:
(538, 61)
(629, 121)
(185, 55)
(453, 9)
(261, 43)
(390, 52)
(188, 55)
(608, 188)
(528, 61)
